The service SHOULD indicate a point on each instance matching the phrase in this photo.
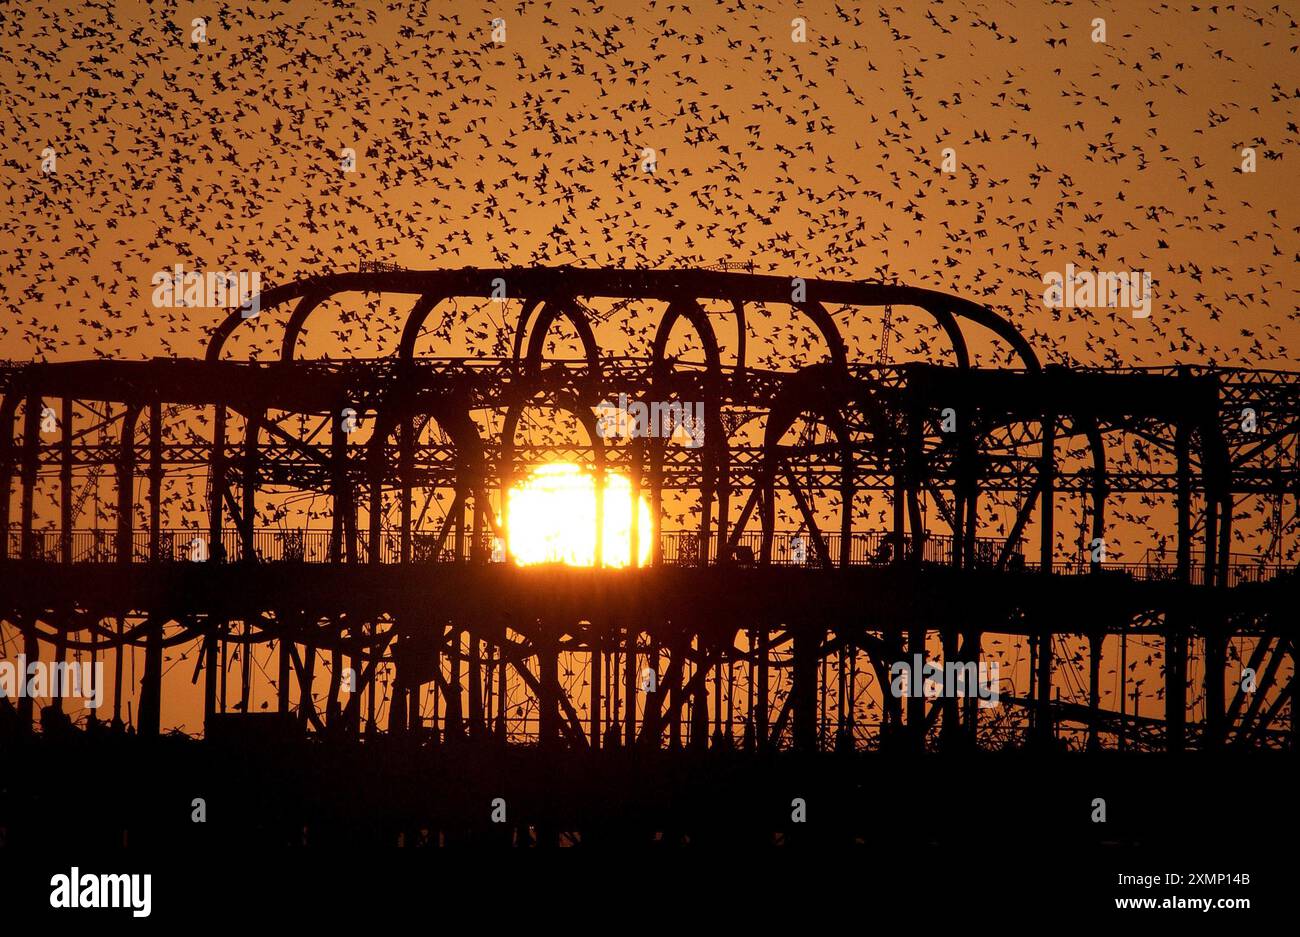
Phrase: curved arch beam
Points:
(510, 425)
(645, 284)
(815, 389)
(830, 332)
(297, 319)
(552, 310)
(689, 310)
(415, 322)
(521, 326)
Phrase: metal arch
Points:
(664, 284)
(738, 310)
(297, 319)
(414, 322)
(716, 458)
(268, 300)
(562, 400)
(586, 418)
(940, 305)
(948, 322)
(812, 389)
(830, 332)
(716, 461)
(552, 309)
(690, 310)
(521, 326)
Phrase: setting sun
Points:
(551, 518)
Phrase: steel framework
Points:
(735, 632)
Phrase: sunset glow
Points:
(551, 518)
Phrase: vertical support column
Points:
(804, 687)
(1175, 633)
(719, 739)
(151, 688)
(916, 652)
(972, 645)
(767, 514)
(307, 682)
(1216, 654)
(1047, 480)
(479, 549)
(1295, 709)
(8, 406)
(458, 528)
(209, 653)
(475, 666)
(847, 484)
(1044, 730)
(595, 649)
(374, 528)
(117, 680)
(1096, 641)
(897, 556)
(414, 722)
(629, 686)
(548, 678)
(283, 674)
(338, 486)
(31, 465)
(677, 665)
(1217, 473)
(155, 480)
(700, 700)
(842, 703)
(31, 654)
(1182, 447)
(126, 485)
(397, 704)
(66, 519)
(950, 705)
(706, 508)
(217, 484)
(405, 471)
(248, 501)
(150, 711)
(652, 727)
(455, 710)
(724, 510)
(959, 491)
(502, 673)
(764, 651)
(915, 470)
(65, 525)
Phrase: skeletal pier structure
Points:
(772, 615)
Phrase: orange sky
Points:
(819, 158)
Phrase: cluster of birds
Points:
(941, 145)
(518, 134)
